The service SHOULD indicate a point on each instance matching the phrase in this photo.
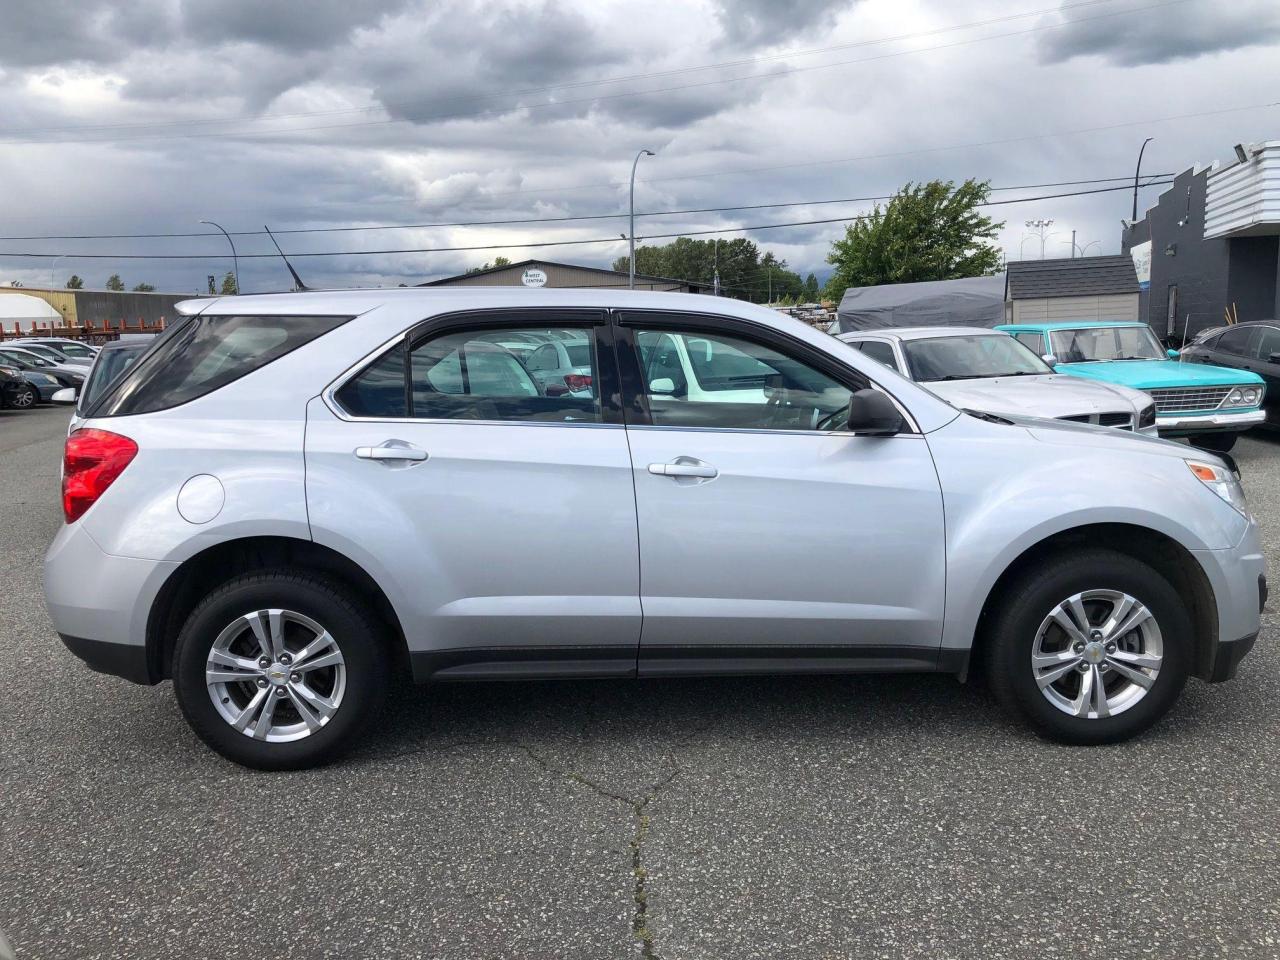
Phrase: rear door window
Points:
(476, 375)
(205, 353)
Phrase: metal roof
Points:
(1079, 277)
(524, 264)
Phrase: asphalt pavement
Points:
(873, 816)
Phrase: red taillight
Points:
(577, 381)
(91, 461)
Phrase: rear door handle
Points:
(391, 450)
(685, 467)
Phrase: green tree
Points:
(229, 287)
(745, 273)
(75, 283)
(114, 282)
(497, 262)
(811, 289)
(928, 231)
(143, 288)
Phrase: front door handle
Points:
(391, 450)
(685, 467)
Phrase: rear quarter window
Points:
(204, 354)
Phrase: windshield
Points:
(970, 358)
(1105, 343)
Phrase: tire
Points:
(1062, 710)
(24, 399)
(317, 712)
(1215, 442)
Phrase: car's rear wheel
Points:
(1091, 647)
(1215, 442)
(279, 671)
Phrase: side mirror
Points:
(1050, 359)
(663, 385)
(873, 414)
(1172, 354)
(67, 395)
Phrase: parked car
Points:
(562, 366)
(986, 370)
(1252, 346)
(252, 512)
(76, 349)
(66, 374)
(50, 353)
(1210, 406)
(15, 392)
(112, 360)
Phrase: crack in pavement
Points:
(639, 807)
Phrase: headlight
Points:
(1147, 417)
(1222, 482)
(1244, 397)
(41, 378)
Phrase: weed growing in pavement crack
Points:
(640, 875)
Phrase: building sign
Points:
(533, 277)
(1141, 253)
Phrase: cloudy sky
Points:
(146, 116)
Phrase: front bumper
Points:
(1182, 425)
(46, 390)
(1238, 577)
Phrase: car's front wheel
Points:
(24, 398)
(1091, 647)
(279, 671)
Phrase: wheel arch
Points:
(204, 571)
(1163, 553)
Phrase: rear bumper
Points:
(1182, 425)
(99, 603)
(127, 660)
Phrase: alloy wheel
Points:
(24, 399)
(276, 675)
(1097, 654)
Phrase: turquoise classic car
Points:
(1207, 404)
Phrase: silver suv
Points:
(288, 498)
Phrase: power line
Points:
(574, 84)
(532, 220)
(249, 134)
(533, 244)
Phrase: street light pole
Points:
(1042, 230)
(631, 232)
(235, 261)
(1136, 172)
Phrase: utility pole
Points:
(631, 238)
(716, 269)
(1073, 244)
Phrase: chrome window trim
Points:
(774, 432)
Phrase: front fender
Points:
(1005, 491)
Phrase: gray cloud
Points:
(770, 22)
(1181, 32)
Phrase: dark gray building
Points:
(1213, 244)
